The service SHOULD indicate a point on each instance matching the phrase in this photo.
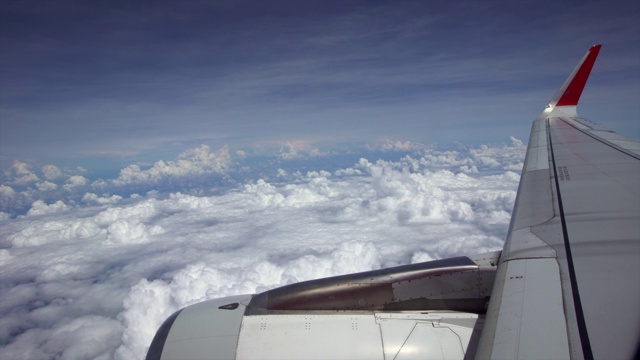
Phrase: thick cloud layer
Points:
(94, 279)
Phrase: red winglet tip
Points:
(572, 93)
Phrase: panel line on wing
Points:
(582, 327)
(601, 140)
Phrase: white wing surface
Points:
(567, 284)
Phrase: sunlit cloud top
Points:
(90, 269)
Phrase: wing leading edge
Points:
(566, 285)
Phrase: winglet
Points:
(565, 102)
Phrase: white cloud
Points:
(51, 172)
(7, 192)
(95, 278)
(517, 142)
(75, 181)
(20, 173)
(348, 172)
(291, 150)
(4, 254)
(147, 306)
(198, 169)
(503, 157)
(468, 169)
(398, 145)
(10, 199)
(39, 208)
(131, 232)
(93, 198)
(436, 158)
(194, 162)
(87, 337)
(420, 256)
(46, 186)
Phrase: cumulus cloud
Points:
(291, 150)
(7, 192)
(194, 162)
(94, 278)
(24, 186)
(398, 145)
(75, 181)
(199, 168)
(20, 173)
(93, 198)
(148, 304)
(503, 157)
(131, 232)
(39, 208)
(46, 186)
(51, 172)
(190, 170)
(10, 199)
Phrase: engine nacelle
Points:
(428, 310)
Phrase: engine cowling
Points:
(433, 309)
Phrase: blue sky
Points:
(108, 84)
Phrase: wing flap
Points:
(532, 301)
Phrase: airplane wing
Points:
(565, 285)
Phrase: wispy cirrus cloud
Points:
(241, 74)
